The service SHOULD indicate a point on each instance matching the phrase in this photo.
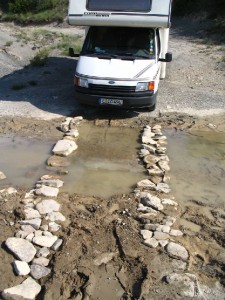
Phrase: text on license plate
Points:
(118, 102)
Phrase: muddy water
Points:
(23, 160)
(197, 163)
(105, 163)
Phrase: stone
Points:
(2, 176)
(146, 234)
(151, 201)
(146, 183)
(143, 152)
(45, 241)
(57, 183)
(57, 245)
(42, 261)
(21, 249)
(149, 148)
(175, 232)
(158, 235)
(27, 201)
(53, 227)
(151, 227)
(21, 234)
(145, 209)
(28, 290)
(21, 268)
(55, 216)
(58, 161)
(148, 216)
(31, 213)
(64, 147)
(47, 206)
(65, 125)
(152, 243)
(103, 258)
(156, 179)
(156, 127)
(35, 223)
(47, 191)
(160, 150)
(165, 228)
(148, 140)
(169, 221)
(38, 271)
(73, 133)
(148, 133)
(164, 166)
(151, 160)
(38, 233)
(179, 264)
(169, 202)
(43, 252)
(30, 237)
(155, 171)
(186, 284)
(177, 251)
(44, 227)
(163, 188)
(47, 233)
(11, 191)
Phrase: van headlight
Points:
(145, 86)
(82, 82)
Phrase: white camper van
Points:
(124, 53)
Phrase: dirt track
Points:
(192, 97)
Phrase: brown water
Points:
(197, 163)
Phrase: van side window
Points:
(158, 43)
(118, 5)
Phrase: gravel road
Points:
(195, 82)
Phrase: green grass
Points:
(67, 41)
(40, 59)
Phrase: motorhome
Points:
(124, 53)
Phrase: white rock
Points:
(164, 165)
(47, 191)
(21, 234)
(47, 206)
(21, 248)
(53, 227)
(169, 202)
(145, 209)
(35, 223)
(175, 232)
(155, 171)
(30, 237)
(45, 241)
(146, 183)
(151, 201)
(163, 188)
(148, 140)
(47, 233)
(73, 133)
(2, 175)
(38, 271)
(169, 221)
(148, 133)
(43, 252)
(31, 213)
(163, 243)
(186, 284)
(11, 191)
(177, 251)
(103, 258)
(146, 234)
(165, 229)
(21, 268)
(156, 127)
(64, 147)
(57, 245)
(143, 152)
(42, 261)
(57, 183)
(38, 233)
(65, 125)
(28, 290)
(55, 216)
(152, 243)
(150, 148)
(44, 227)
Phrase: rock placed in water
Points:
(21, 268)
(28, 290)
(169, 202)
(47, 191)
(143, 152)
(64, 147)
(38, 271)
(163, 188)
(58, 161)
(151, 201)
(2, 176)
(73, 133)
(177, 251)
(146, 183)
(57, 183)
(47, 206)
(20, 248)
(148, 140)
(151, 160)
(164, 165)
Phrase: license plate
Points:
(105, 101)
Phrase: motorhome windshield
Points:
(120, 42)
(118, 5)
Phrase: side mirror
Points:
(168, 57)
(72, 54)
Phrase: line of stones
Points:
(150, 194)
(36, 239)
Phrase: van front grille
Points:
(97, 88)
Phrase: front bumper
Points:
(133, 100)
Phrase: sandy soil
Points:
(191, 98)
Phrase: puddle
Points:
(105, 163)
(197, 163)
(23, 160)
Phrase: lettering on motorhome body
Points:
(97, 14)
